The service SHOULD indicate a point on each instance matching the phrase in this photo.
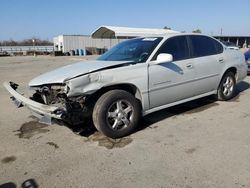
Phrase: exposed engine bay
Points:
(73, 109)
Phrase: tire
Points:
(227, 87)
(116, 113)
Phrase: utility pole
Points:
(33, 40)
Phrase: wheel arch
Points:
(131, 88)
(230, 69)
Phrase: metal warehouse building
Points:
(241, 41)
(102, 38)
(66, 43)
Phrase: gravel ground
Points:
(204, 143)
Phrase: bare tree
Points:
(25, 42)
(196, 31)
(166, 27)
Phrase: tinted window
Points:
(204, 46)
(218, 46)
(177, 46)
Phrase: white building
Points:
(103, 38)
(65, 43)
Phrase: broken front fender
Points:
(39, 108)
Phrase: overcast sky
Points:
(45, 19)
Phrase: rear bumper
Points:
(41, 110)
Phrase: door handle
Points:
(221, 60)
(189, 65)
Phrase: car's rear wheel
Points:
(116, 113)
(227, 87)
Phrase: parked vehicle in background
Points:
(230, 45)
(4, 53)
(135, 78)
(247, 57)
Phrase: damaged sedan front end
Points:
(67, 97)
(35, 103)
(50, 102)
(70, 109)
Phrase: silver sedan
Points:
(135, 78)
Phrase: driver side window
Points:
(177, 47)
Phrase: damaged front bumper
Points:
(44, 112)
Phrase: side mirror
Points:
(163, 58)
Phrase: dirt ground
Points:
(204, 143)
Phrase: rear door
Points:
(208, 61)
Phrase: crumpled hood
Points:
(62, 74)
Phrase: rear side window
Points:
(177, 46)
(205, 46)
(218, 47)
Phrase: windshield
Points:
(137, 50)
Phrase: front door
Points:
(171, 82)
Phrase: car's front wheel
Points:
(116, 113)
(227, 87)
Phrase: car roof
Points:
(168, 35)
